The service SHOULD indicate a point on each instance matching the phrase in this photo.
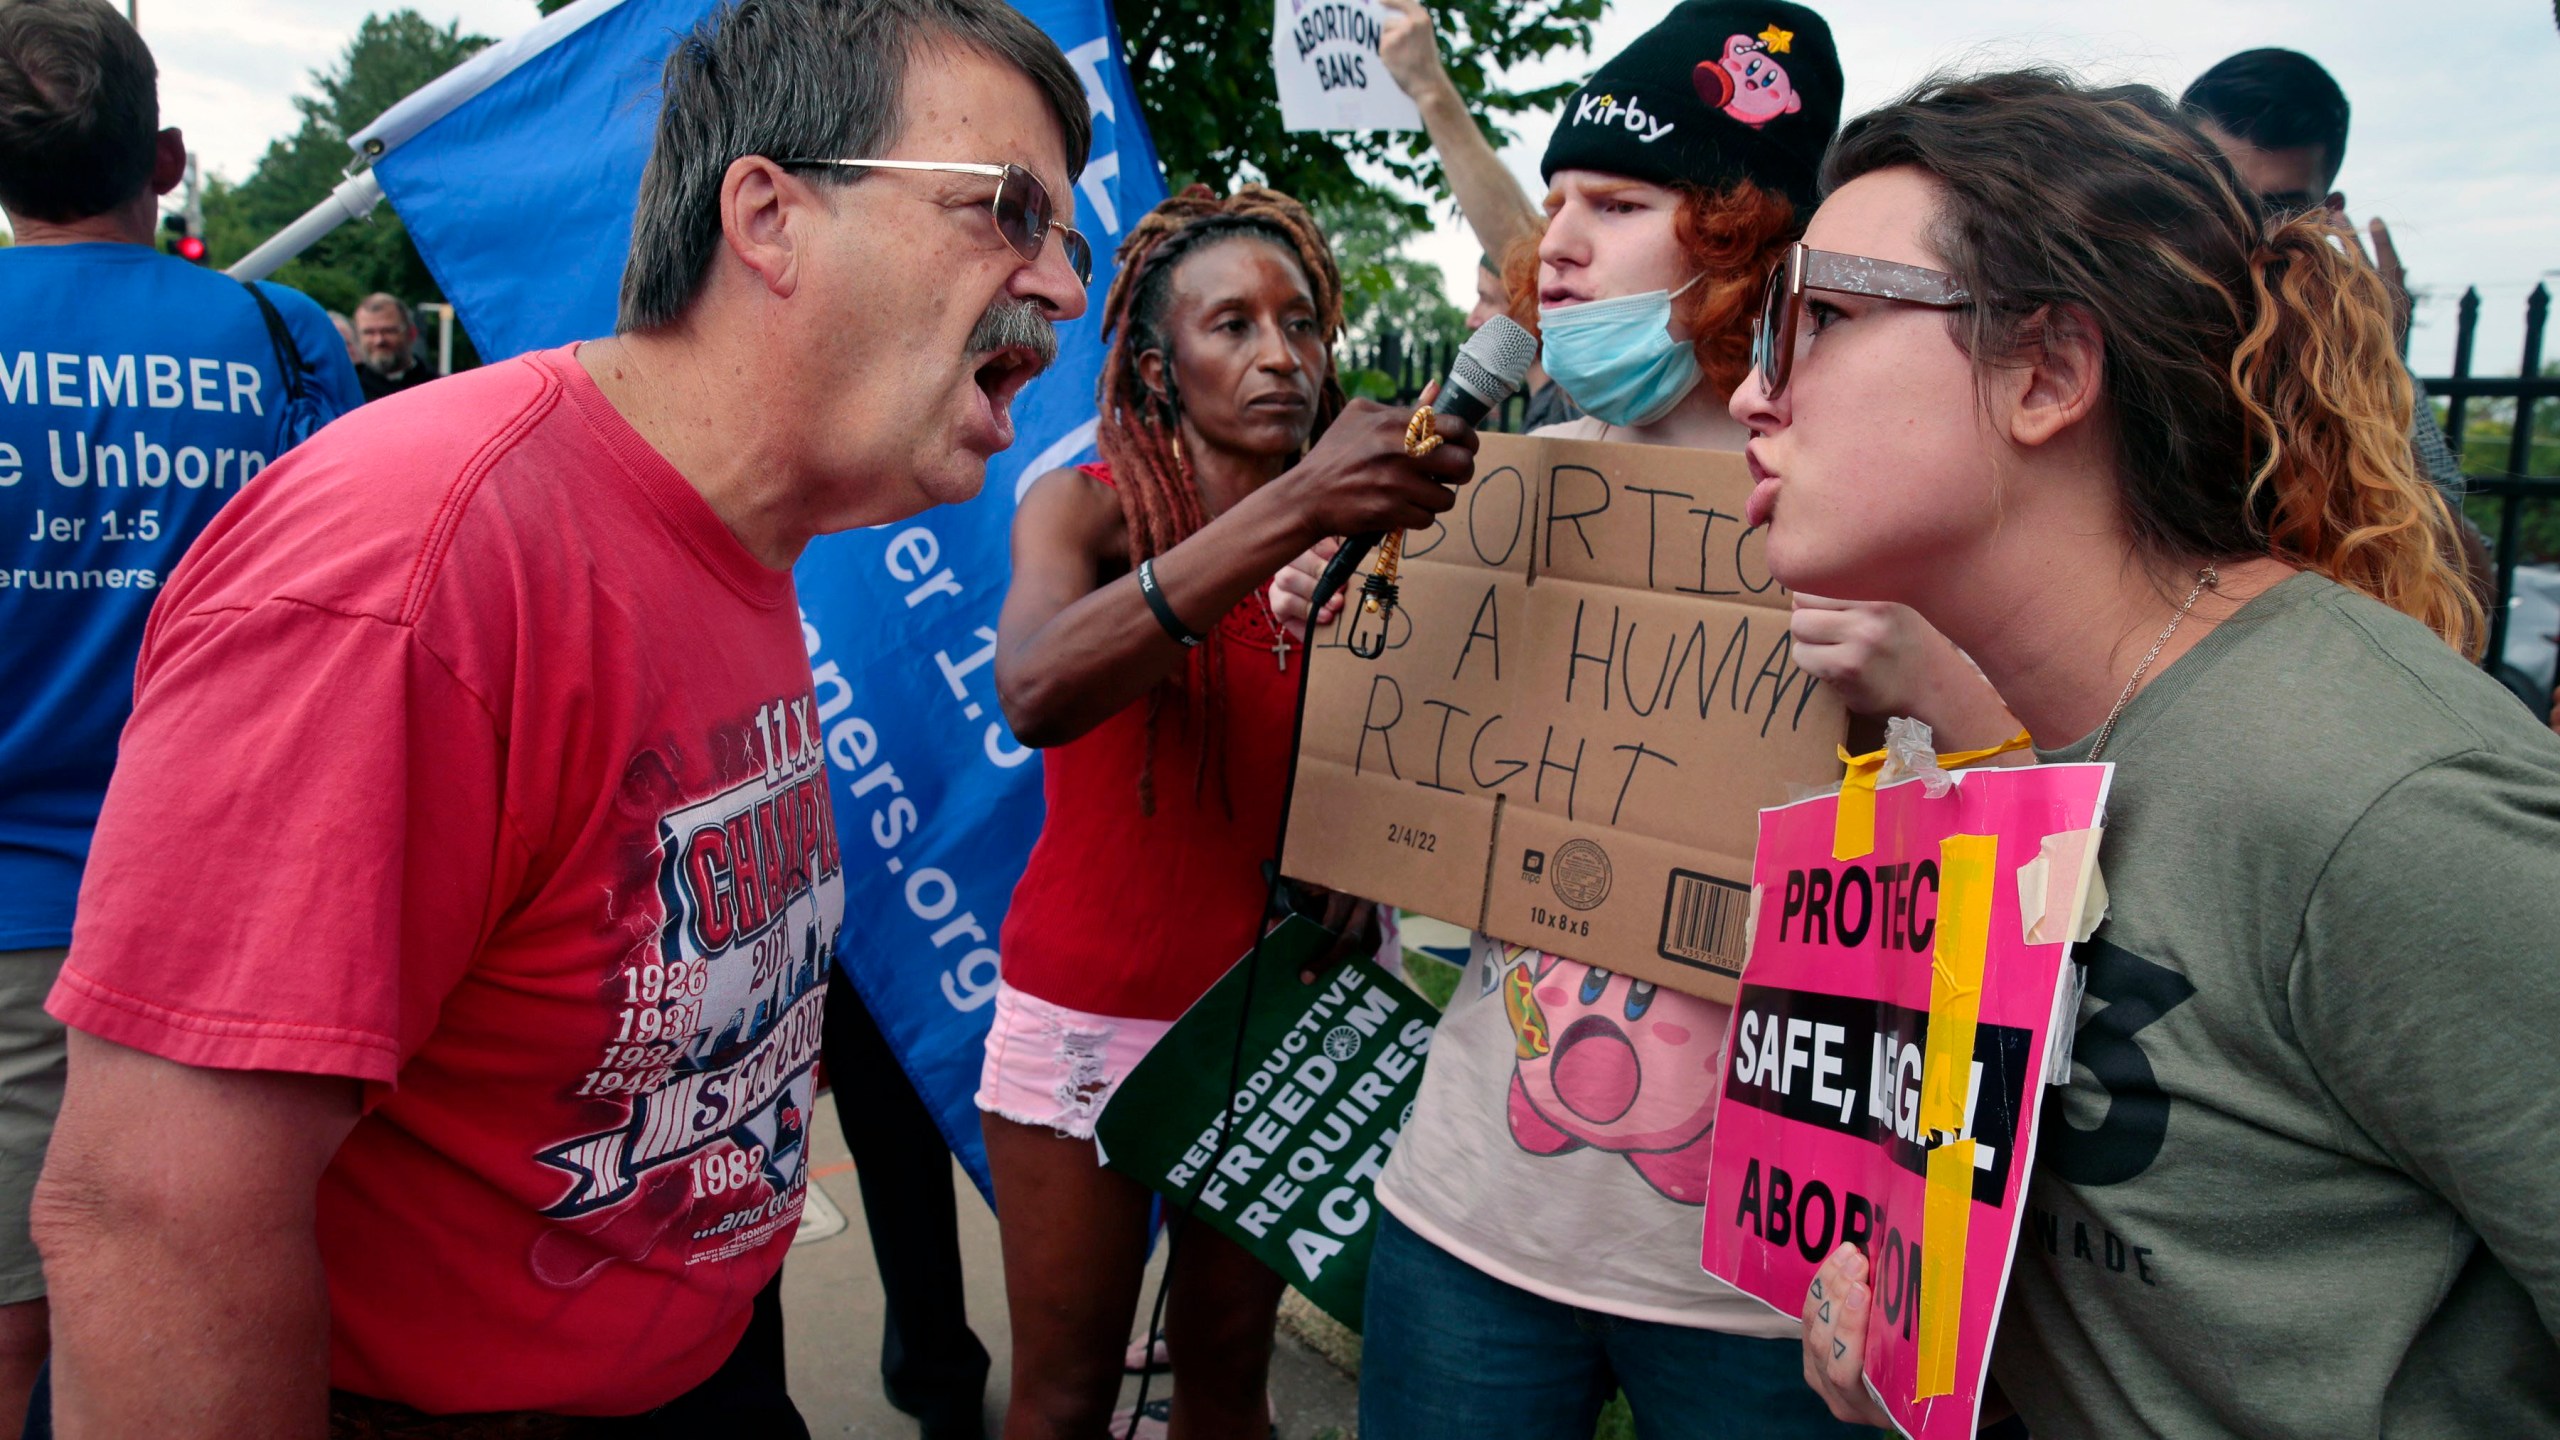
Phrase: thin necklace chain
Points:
(1279, 636)
(2206, 579)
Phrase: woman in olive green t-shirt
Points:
(2043, 375)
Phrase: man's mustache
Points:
(1016, 324)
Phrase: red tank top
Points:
(1134, 915)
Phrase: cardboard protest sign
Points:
(1588, 694)
(1888, 1056)
(1327, 1083)
(1324, 54)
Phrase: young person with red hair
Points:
(1538, 1254)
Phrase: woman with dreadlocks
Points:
(1137, 649)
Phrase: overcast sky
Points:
(2456, 138)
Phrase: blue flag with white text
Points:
(936, 803)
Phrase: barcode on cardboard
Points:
(1705, 922)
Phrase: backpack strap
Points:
(297, 376)
(302, 413)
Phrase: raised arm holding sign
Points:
(1488, 196)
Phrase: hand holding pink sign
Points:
(1835, 1338)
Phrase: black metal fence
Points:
(1409, 366)
(2513, 486)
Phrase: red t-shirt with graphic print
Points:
(474, 759)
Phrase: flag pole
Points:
(353, 199)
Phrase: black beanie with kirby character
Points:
(1717, 92)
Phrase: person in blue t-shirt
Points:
(138, 393)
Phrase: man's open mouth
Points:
(1003, 373)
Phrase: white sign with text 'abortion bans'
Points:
(1324, 53)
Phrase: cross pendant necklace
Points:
(1279, 637)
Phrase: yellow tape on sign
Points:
(1945, 1214)
(1853, 830)
(1967, 876)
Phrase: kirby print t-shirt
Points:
(1560, 1140)
(475, 760)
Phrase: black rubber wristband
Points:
(1165, 617)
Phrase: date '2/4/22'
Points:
(1541, 915)
(1409, 837)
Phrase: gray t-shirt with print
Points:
(2305, 1180)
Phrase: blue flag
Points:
(527, 232)
(936, 803)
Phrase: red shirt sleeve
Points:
(301, 849)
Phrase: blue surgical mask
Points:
(1618, 358)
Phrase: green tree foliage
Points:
(390, 56)
(1384, 290)
(1203, 71)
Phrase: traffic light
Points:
(182, 243)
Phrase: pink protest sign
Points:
(1886, 1064)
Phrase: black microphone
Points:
(1490, 366)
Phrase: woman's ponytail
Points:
(2333, 482)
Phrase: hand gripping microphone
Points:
(1489, 367)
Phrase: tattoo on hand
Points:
(1817, 1289)
(1839, 1347)
(1826, 1312)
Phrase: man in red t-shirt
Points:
(447, 980)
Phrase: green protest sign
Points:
(1327, 1082)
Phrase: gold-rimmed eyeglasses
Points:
(1023, 213)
